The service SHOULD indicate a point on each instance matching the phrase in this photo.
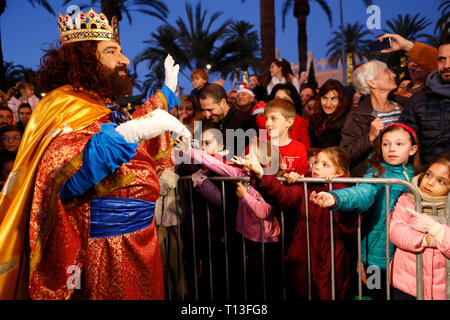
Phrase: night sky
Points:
(25, 30)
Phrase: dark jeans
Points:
(398, 294)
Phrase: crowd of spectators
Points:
(327, 131)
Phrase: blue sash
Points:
(117, 216)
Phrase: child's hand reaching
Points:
(241, 190)
(292, 177)
(250, 162)
(323, 199)
(184, 145)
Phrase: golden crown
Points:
(87, 26)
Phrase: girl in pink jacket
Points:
(253, 212)
(413, 232)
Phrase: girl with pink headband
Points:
(395, 156)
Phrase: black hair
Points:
(445, 39)
(215, 91)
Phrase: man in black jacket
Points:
(237, 127)
(428, 111)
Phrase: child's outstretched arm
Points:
(278, 195)
(323, 199)
(272, 191)
(356, 199)
(209, 161)
(251, 162)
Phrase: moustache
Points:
(122, 68)
(447, 70)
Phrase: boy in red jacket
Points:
(280, 116)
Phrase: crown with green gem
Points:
(87, 26)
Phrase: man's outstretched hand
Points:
(171, 73)
(152, 125)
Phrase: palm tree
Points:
(118, 8)
(152, 81)
(443, 24)
(267, 33)
(3, 5)
(162, 42)
(15, 73)
(239, 51)
(411, 28)
(407, 26)
(355, 46)
(301, 12)
(192, 43)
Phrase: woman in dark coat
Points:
(377, 108)
(330, 112)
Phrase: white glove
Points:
(151, 125)
(425, 223)
(171, 73)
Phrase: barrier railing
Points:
(306, 181)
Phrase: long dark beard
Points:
(118, 86)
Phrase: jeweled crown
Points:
(87, 26)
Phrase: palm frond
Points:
(324, 5)
(287, 5)
(43, 3)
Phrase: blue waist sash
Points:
(117, 216)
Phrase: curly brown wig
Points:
(77, 64)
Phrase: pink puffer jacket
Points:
(408, 241)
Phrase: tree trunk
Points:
(2, 65)
(267, 21)
(2, 68)
(301, 12)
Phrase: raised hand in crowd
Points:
(397, 43)
(375, 128)
(250, 162)
(323, 199)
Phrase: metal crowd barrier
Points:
(386, 181)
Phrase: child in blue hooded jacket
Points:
(395, 151)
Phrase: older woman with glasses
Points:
(10, 138)
(377, 108)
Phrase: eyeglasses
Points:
(4, 138)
